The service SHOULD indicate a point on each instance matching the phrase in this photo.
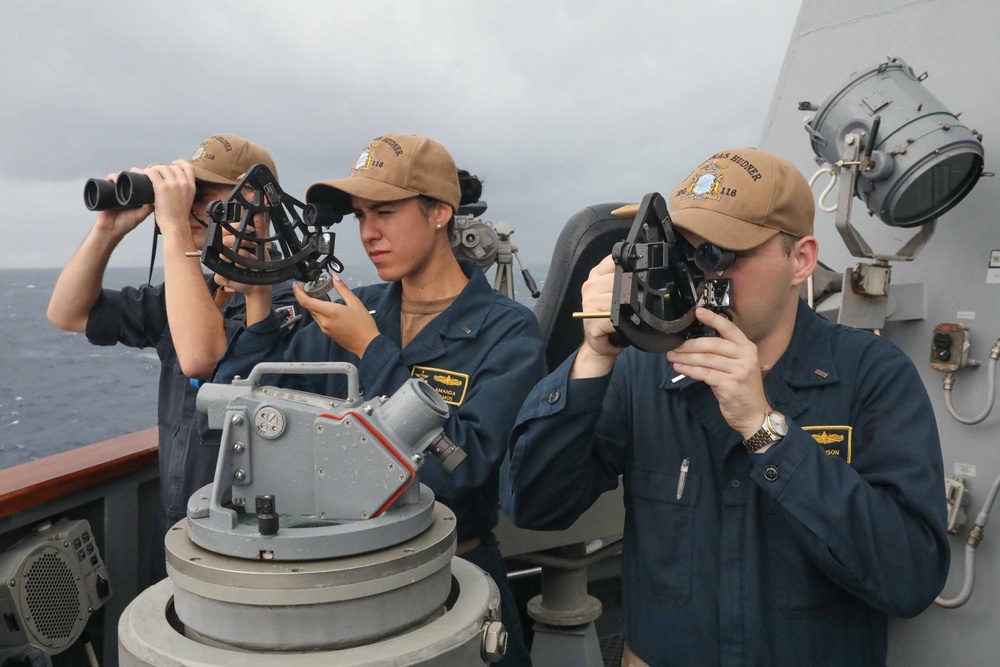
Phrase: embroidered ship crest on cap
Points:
(706, 184)
(367, 160)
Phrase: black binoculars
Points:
(130, 190)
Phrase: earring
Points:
(439, 226)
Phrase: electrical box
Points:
(949, 347)
(957, 498)
(51, 581)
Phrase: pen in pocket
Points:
(683, 476)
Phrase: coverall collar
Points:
(808, 362)
(463, 318)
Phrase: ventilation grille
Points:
(612, 648)
(54, 601)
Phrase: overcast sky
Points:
(558, 105)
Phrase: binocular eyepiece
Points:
(130, 190)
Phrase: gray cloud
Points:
(557, 104)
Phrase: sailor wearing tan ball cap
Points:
(434, 318)
(188, 319)
(762, 487)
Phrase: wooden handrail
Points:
(35, 483)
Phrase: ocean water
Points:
(57, 391)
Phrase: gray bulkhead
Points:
(953, 42)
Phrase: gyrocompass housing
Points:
(315, 544)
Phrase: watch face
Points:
(777, 422)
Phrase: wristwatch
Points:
(774, 429)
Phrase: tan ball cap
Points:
(224, 158)
(740, 198)
(393, 167)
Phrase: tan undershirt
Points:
(415, 315)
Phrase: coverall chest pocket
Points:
(658, 553)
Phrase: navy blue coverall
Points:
(790, 557)
(188, 449)
(490, 349)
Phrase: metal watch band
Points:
(758, 440)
